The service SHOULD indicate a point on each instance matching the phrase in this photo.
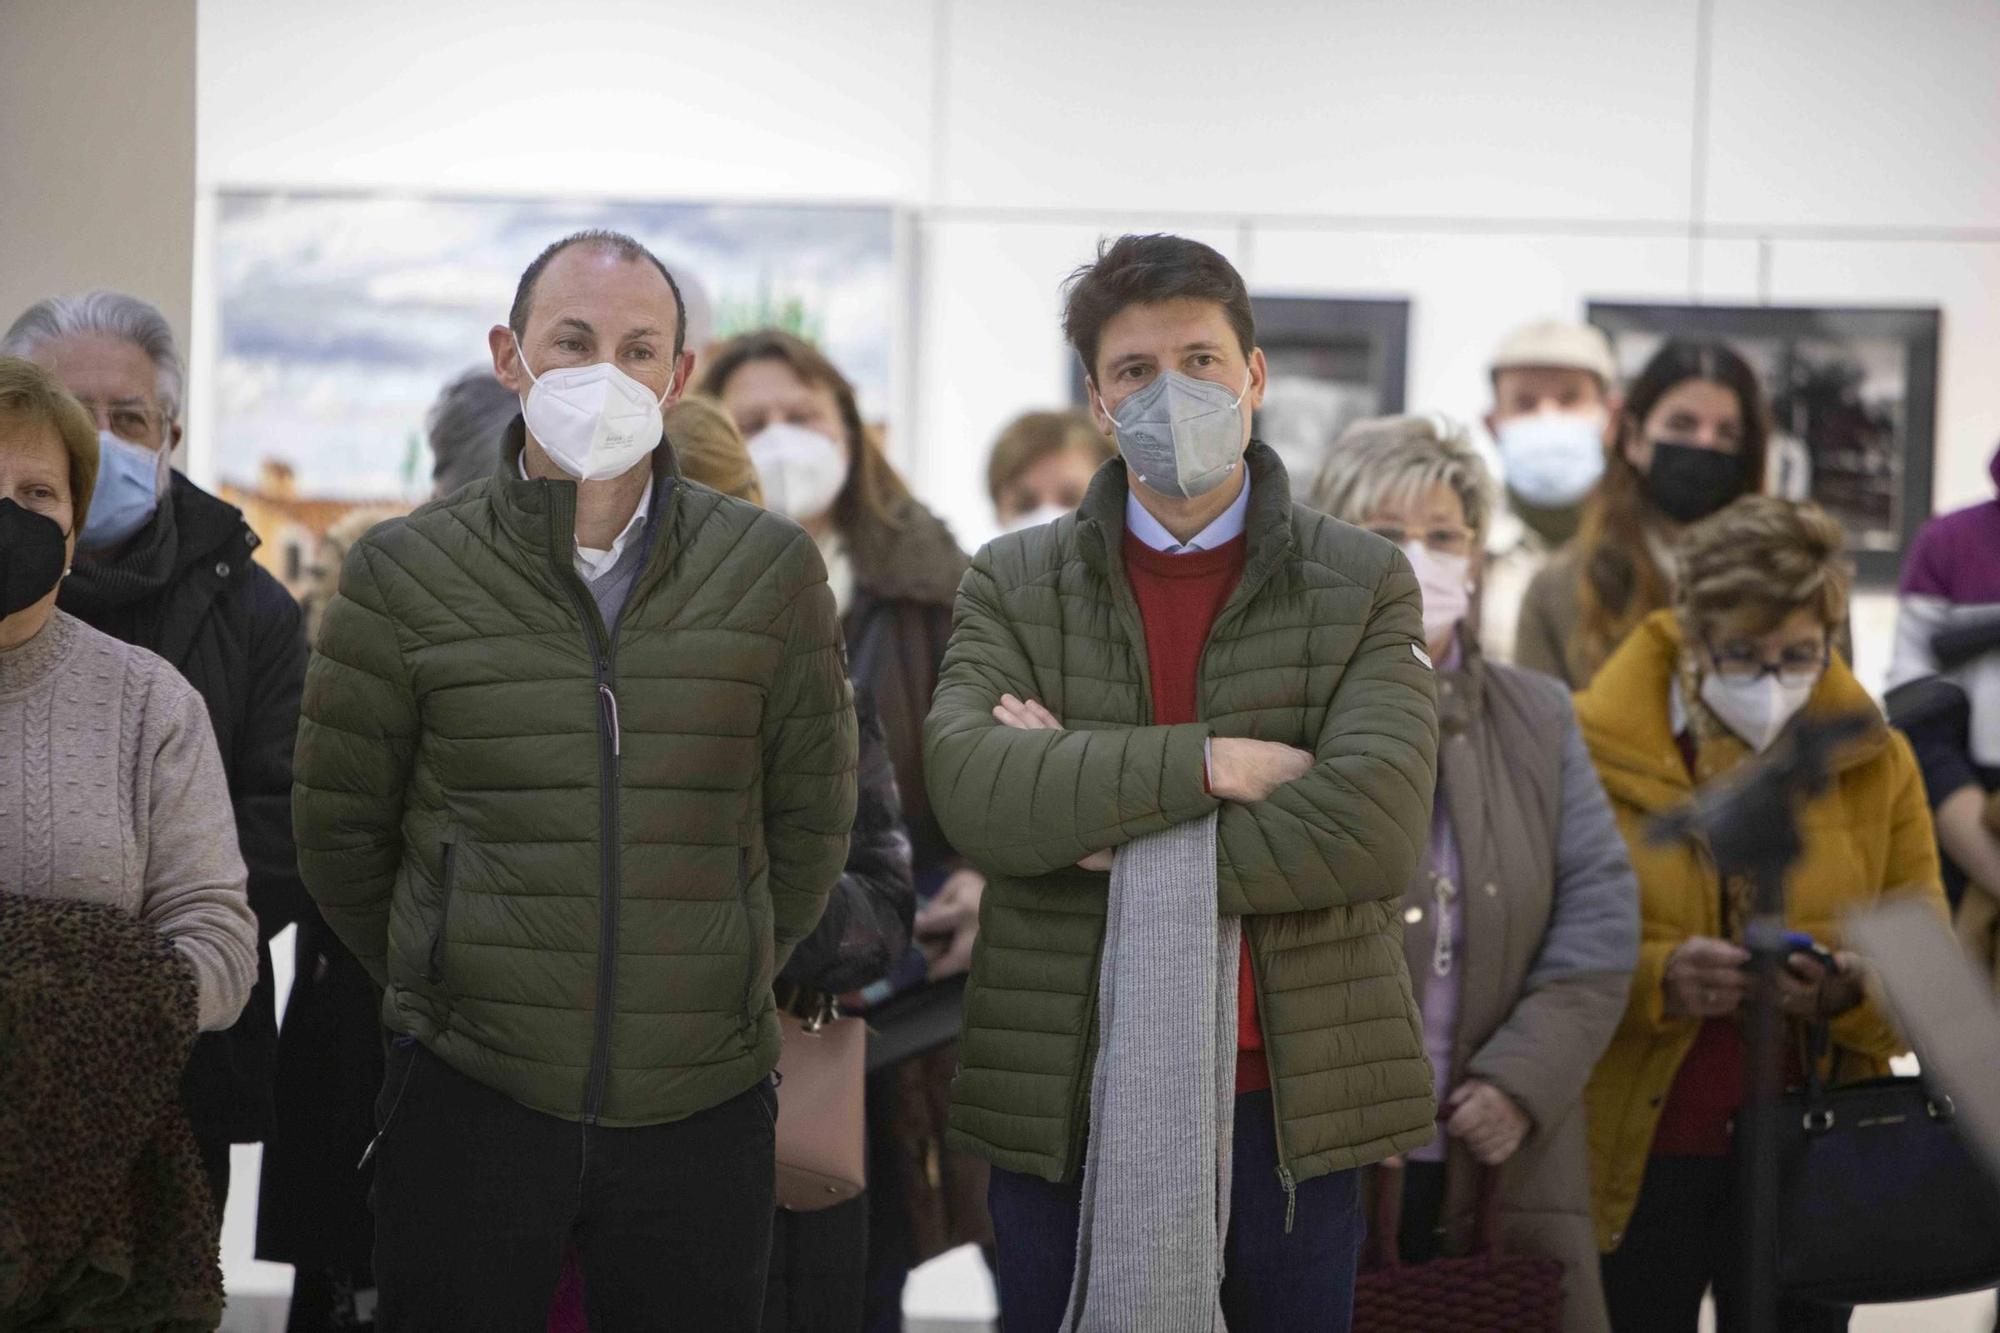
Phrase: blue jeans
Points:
(1273, 1282)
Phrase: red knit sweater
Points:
(1179, 597)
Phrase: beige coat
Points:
(1551, 935)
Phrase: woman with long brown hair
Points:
(1692, 437)
(895, 569)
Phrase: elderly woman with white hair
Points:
(1521, 926)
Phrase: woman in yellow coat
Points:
(1692, 694)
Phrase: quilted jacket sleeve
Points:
(357, 740)
(1355, 826)
(1024, 803)
(809, 761)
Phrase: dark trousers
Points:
(819, 1263)
(1420, 1238)
(1273, 1282)
(1686, 1236)
(477, 1199)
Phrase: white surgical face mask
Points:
(1036, 517)
(1552, 459)
(1446, 581)
(1757, 710)
(594, 422)
(801, 469)
(1180, 435)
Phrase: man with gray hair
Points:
(163, 564)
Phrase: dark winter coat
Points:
(187, 588)
(926, 1198)
(905, 576)
(866, 925)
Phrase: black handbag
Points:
(1879, 1197)
(915, 1022)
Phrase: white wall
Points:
(97, 111)
(1489, 162)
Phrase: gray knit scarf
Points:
(1162, 1101)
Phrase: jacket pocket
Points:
(434, 965)
(752, 952)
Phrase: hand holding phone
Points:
(1798, 942)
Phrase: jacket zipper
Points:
(1288, 1181)
(435, 965)
(608, 765)
(1080, 1105)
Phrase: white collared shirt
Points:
(591, 562)
(1226, 528)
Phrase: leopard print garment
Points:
(105, 1218)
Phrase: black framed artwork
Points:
(1332, 361)
(1853, 394)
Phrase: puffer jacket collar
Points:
(1625, 717)
(1100, 522)
(539, 515)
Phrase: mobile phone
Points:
(1798, 941)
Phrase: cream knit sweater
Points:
(111, 791)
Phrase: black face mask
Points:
(33, 551)
(1688, 482)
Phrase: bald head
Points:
(607, 245)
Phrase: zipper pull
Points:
(1441, 950)
(610, 701)
(369, 1154)
(1291, 1196)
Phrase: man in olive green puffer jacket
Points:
(1189, 642)
(576, 772)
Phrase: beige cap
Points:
(1559, 343)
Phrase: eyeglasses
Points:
(1438, 541)
(128, 421)
(1798, 665)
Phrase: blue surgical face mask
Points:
(1552, 459)
(130, 480)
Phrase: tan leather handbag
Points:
(822, 1143)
